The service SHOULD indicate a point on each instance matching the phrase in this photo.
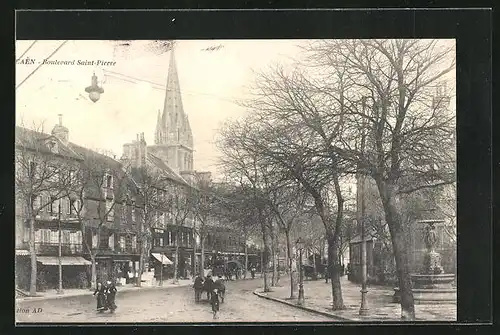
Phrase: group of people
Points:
(215, 291)
(106, 294)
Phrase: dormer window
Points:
(52, 145)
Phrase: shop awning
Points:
(162, 258)
(65, 260)
(20, 252)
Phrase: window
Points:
(122, 243)
(66, 237)
(54, 206)
(109, 181)
(72, 206)
(32, 169)
(52, 145)
(110, 210)
(111, 241)
(169, 238)
(161, 241)
(54, 236)
(72, 176)
(134, 242)
(94, 240)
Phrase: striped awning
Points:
(162, 258)
(65, 260)
(20, 252)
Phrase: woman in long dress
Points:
(101, 297)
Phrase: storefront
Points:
(74, 272)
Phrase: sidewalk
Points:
(52, 294)
(318, 298)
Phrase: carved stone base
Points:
(431, 289)
(429, 296)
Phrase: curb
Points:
(311, 310)
(55, 297)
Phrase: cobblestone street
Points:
(166, 305)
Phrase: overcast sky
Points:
(210, 83)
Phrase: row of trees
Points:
(365, 108)
(96, 186)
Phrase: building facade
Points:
(92, 224)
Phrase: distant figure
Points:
(198, 288)
(220, 287)
(214, 301)
(101, 297)
(208, 286)
(252, 271)
(110, 295)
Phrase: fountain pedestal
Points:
(431, 286)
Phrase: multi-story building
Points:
(87, 223)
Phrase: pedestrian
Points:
(101, 297)
(111, 295)
(198, 288)
(327, 273)
(220, 287)
(252, 271)
(214, 301)
(208, 286)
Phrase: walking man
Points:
(198, 288)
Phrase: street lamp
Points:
(363, 309)
(60, 289)
(94, 90)
(300, 245)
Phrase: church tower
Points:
(173, 136)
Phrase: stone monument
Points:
(431, 285)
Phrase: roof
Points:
(167, 170)
(35, 140)
(84, 152)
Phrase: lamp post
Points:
(300, 245)
(94, 90)
(60, 289)
(363, 309)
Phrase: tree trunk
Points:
(141, 263)
(315, 270)
(202, 264)
(334, 269)
(93, 271)
(290, 265)
(394, 221)
(287, 259)
(273, 259)
(176, 260)
(33, 257)
(262, 266)
(246, 260)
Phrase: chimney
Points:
(60, 131)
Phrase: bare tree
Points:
(287, 202)
(97, 185)
(181, 198)
(151, 186)
(206, 207)
(243, 166)
(235, 208)
(408, 131)
(42, 174)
